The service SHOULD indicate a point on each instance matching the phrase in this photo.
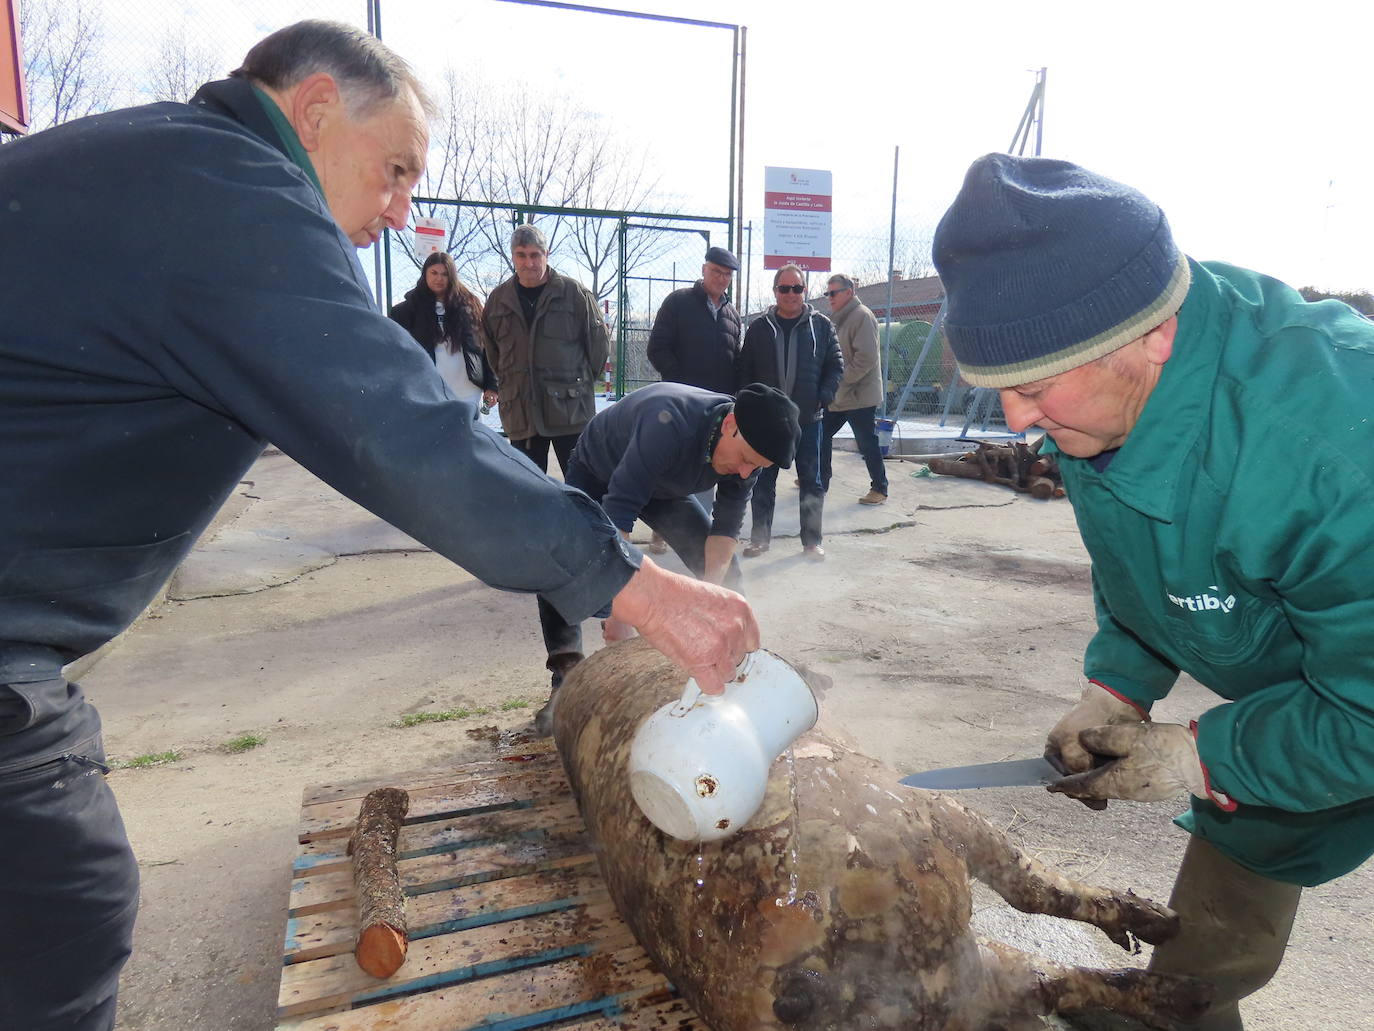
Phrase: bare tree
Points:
(618, 181)
(911, 258)
(522, 150)
(63, 61)
(181, 67)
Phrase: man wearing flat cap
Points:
(650, 456)
(696, 337)
(1214, 436)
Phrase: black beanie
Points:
(1047, 266)
(769, 422)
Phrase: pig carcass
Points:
(844, 904)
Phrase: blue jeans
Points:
(68, 880)
(865, 436)
(812, 494)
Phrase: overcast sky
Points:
(1247, 122)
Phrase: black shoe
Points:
(559, 665)
(754, 549)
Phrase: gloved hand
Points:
(1098, 707)
(1145, 762)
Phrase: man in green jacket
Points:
(1215, 436)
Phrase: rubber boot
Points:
(558, 665)
(1234, 930)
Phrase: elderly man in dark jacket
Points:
(793, 347)
(650, 456)
(695, 339)
(132, 402)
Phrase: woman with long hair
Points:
(445, 318)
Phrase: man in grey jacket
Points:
(132, 402)
(861, 387)
(548, 344)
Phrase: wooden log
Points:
(381, 947)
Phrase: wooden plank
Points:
(451, 869)
(663, 1016)
(521, 789)
(605, 983)
(322, 855)
(537, 753)
(447, 959)
(331, 932)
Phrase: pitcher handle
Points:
(691, 693)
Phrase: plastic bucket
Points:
(885, 428)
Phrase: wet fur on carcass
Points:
(874, 931)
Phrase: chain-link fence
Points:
(511, 81)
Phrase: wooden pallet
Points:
(510, 923)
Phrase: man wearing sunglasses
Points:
(794, 348)
(861, 388)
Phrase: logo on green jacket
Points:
(1203, 602)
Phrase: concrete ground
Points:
(951, 620)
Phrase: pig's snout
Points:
(795, 995)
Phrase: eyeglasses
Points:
(785, 289)
(832, 293)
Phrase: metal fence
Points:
(630, 247)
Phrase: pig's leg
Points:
(1034, 888)
(1028, 985)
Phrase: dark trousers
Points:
(865, 436)
(682, 522)
(536, 449)
(812, 494)
(68, 884)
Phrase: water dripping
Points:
(794, 829)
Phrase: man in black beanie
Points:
(645, 457)
(1213, 431)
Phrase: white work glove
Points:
(1099, 706)
(1142, 762)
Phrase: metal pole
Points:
(734, 129)
(748, 271)
(891, 261)
(622, 303)
(743, 68)
(1040, 119)
(381, 288)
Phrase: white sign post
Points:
(429, 235)
(796, 218)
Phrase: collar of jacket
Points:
(512, 300)
(1146, 472)
(772, 316)
(850, 307)
(254, 110)
(699, 288)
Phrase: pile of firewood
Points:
(1018, 466)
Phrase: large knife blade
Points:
(1011, 773)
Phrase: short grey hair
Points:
(369, 73)
(839, 277)
(789, 267)
(528, 236)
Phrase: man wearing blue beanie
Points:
(1214, 436)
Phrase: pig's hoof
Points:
(1149, 921)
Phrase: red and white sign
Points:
(796, 218)
(429, 235)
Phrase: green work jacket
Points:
(1231, 538)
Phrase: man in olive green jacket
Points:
(1214, 434)
(861, 387)
(548, 345)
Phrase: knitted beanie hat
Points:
(1047, 266)
(769, 422)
